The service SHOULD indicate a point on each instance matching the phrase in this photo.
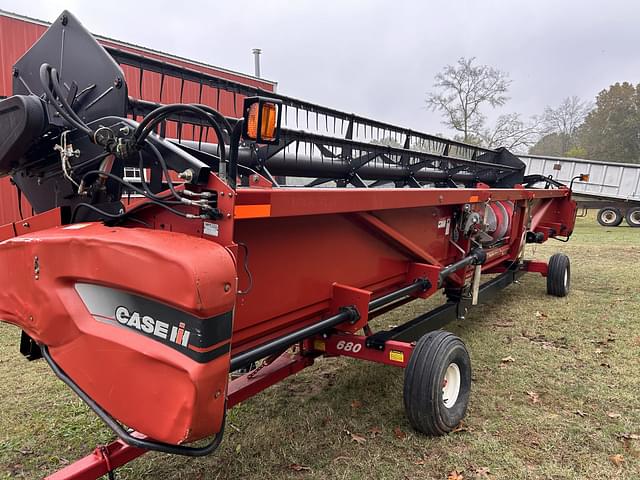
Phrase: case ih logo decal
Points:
(149, 325)
(201, 339)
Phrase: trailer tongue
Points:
(171, 245)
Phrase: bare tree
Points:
(512, 132)
(462, 89)
(566, 118)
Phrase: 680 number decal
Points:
(348, 346)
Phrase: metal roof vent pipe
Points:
(256, 55)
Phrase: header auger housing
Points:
(171, 245)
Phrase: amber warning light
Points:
(262, 117)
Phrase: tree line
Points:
(607, 129)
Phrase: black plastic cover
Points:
(22, 122)
(96, 80)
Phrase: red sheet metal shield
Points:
(141, 320)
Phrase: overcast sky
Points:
(379, 58)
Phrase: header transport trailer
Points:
(612, 188)
(144, 298)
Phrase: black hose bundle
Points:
(55, 95)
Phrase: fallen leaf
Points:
(238, 448)
(460, 428)
(399, 433)
(535, 398)
(598, 351)
(541, 315)
(419, 462)
(505, 324)
(299, 468)
(341, 457)
(617, 459)
(580, 413)
(356, 404)
(375, 431)
(455, 475)
(359, 439)
(614, 415)
(482, 472)
(508, 359)
(630, 436)
(606, 340)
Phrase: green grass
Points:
(579, 355)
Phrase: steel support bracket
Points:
(536, 266)
(346, 296)
(422, 271)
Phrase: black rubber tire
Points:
(558, 284)
(423, 383)
(633, 217)
(610, 217)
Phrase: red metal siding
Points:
(18, 34)
(16, 37)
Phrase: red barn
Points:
(18, 33)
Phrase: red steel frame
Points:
(550, 212)
(107, 458)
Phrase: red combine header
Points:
(172, 246)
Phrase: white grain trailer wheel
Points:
(609, 217)
(437, 383)
(633, 217)
(559, 275)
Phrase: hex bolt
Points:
(26, 225)
(186, 175)
(117, 82)
(64, 20)
(15, 72)
(227, 287)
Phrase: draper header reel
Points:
(171, 245)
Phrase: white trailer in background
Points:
(613, 188)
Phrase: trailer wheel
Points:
(610, 217)
(437, 383)
(559, 275)
(633, 217)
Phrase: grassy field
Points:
(556, 388)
